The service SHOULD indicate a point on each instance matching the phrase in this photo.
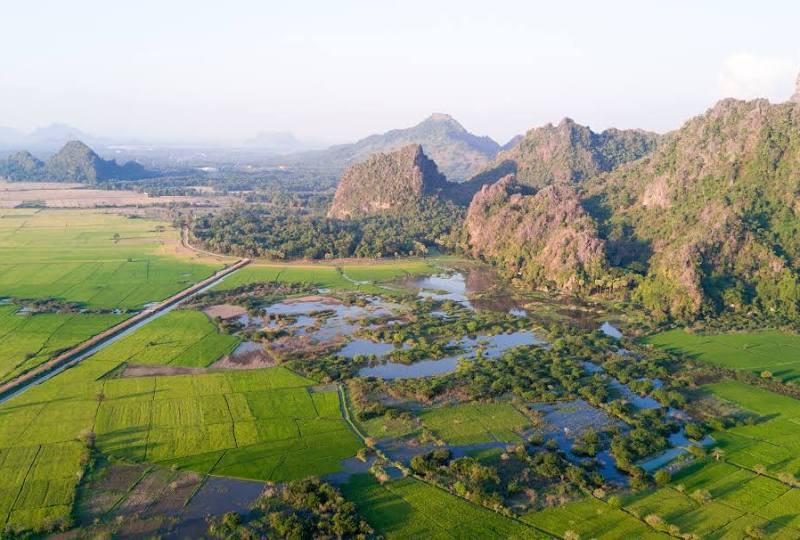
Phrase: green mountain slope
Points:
(75, 162)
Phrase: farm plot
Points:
(100, 260)
(318, 274)
(261, 424)
(476, 423)
(37, 484)
(29, 340)
(387, 271)
(349, 277)
(179, 338)
(591, 518)
(776, 352)
(408, 508)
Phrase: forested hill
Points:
(707, 223)
(75, 162)
(458, 153)
(566, 153)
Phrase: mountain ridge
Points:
(457, 152)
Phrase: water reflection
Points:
(488, 346)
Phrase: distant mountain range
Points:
(280, 142)
(458, 153)
(75, 162)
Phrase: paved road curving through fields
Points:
(92, 345)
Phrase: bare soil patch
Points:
(313, 298)
(154, 371)
(247, 360)
(146, 492)
(225, 311)
(60, 195)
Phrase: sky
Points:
(335, 71)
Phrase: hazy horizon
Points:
(328, 73)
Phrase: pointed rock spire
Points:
(796, 97)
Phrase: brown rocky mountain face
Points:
(386, 183)
(566, 153)
(544, 238)
(708, 222)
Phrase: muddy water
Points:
(216, 497)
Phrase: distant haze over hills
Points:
(75, 162)
(458, 153)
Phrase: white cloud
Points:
(747, 76)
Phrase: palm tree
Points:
(718, 454)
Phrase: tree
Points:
(662, 477)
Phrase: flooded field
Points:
(486, 346)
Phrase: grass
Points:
(264, 424)
(97, 259)
(362, 276)
(100, 260)
(475, 423)
(409, 508)
(179, 338)
(773, 351)
(29, 340)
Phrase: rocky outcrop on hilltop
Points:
(544, 238)
(386, 183)
(567, 153)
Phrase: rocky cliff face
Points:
(385, 183)
(567, 153)
(707, 222)
(543, 238)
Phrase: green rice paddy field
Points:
(476, 423)
(267, 424)
(409, 508)
(773, 351)
(362, 277)
(101, 261)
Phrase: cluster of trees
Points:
(280, 234)
(526, 477)
(299, 510)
